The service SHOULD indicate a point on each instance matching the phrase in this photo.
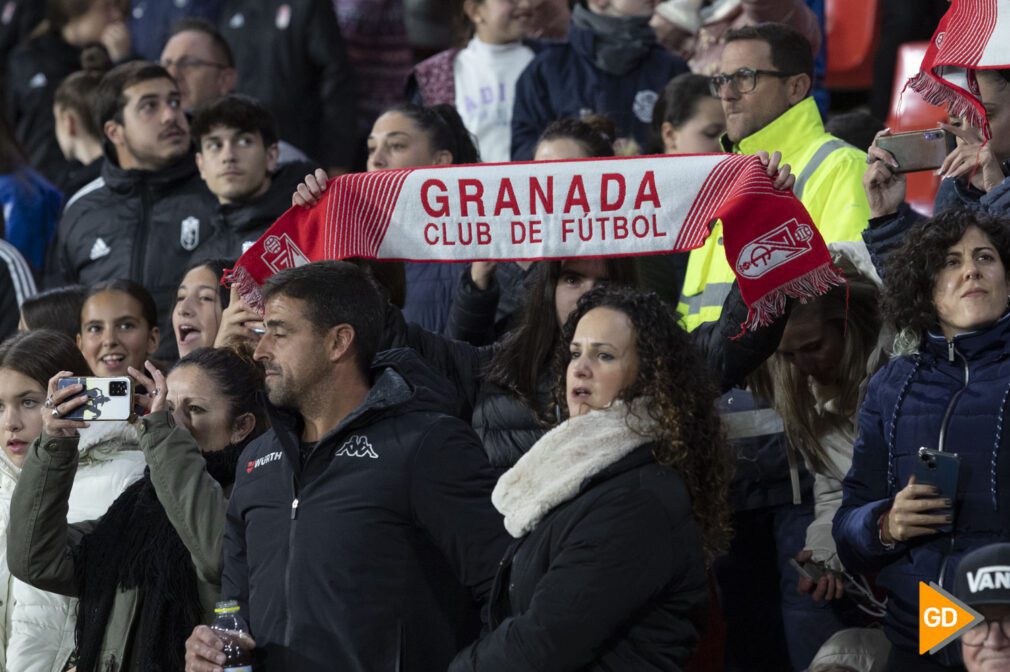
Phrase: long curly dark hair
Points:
(912, 268)
(681, 397)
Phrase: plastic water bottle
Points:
(228, 625)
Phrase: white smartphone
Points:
(108, 398)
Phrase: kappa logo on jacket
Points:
(357, 446)
(266, 459)
(99, 249)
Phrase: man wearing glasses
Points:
(203, 65)
(764, 84)
(983, 583)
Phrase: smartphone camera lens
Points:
(117, 388)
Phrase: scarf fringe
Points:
(772, 305)
(242, 281)
(937, 93)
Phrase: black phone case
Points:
(941, 470)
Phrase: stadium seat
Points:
(852, 30)
(910, 112)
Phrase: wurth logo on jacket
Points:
(357, 446)
(266, 459)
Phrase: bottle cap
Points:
(229, 607)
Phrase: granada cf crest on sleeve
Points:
(189, 233)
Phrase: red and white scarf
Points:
(560, 210)
(972, 35)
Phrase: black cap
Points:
(983, 576)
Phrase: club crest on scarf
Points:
(774, 249)
(282, 253)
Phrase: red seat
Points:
(910, 112)
(852, 30)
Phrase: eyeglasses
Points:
(187, 63)
(977, 635)
(742, 81)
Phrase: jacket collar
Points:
(789, 134)
(559, 466)
(982, 344)
(122, 180)
(264, 210)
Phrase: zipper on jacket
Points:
(289, 628)
(294, 509)
(943, 439)
(140, 244)
(953, 400)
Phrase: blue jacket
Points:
(950, 397)
(31, 212)
(429, 293)
(562, 81)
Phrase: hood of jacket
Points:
(125, 181)
(102, 440)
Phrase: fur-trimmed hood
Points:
(557, 467)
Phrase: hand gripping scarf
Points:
(972, 35)
(559, 210)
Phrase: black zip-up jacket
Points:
(17, 21)
(376, 552)
(34, 70)
(611, 580)
(137, 224)
(237, 225)
(290, 56)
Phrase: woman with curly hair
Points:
(946, 293)
(618, 509)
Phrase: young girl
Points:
(687, 119)
(40, 631)
(118, 327)
(480, 79)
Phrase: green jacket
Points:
(41, 551)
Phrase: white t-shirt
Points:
(485, 77)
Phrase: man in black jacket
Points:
(149, 211)
(360, 532)
(237, 154)
(289, 54)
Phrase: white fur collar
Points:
(102, 439)
(559, 464)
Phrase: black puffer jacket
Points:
(290, 56)
(237, 225)
(611, 580)
(372, 552)
(508, 427)
(135, 224)
(34, 70)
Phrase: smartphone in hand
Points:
(918, 150)
(941, 470)
(108, 398)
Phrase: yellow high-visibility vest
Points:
(829, 183)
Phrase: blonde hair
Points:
(856, 309)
